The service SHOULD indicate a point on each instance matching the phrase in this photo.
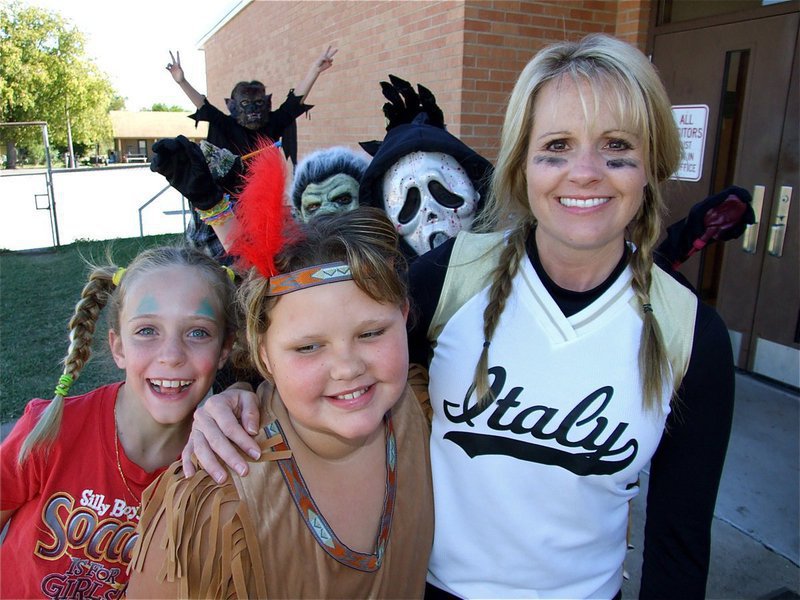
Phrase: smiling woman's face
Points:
(585, 170)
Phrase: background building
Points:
(136, 132)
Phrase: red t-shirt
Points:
(75, 520)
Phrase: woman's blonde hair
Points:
(364, 238)
(107, 287)
(621, 74)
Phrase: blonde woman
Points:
(563, 360)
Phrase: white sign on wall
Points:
(692, 122)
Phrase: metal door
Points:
(746, 74)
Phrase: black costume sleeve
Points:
(686, 469)
(426, 280)
(209, 113)
(282, 124)
(720, 217)
(286, 113)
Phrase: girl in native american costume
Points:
(339, 504)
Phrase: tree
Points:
(162, 107)
(117, 103)
(46, 76)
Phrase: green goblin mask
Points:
(338, 193)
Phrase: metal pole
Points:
(146, 204)
(49, 183)
(183, 211)
(72, 162)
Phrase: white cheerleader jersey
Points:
(552, 463)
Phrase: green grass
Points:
(38, 292)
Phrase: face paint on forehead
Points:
(430, 198)
(147, 306)
(206, 309)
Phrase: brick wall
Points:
(633, 21)
(418, 41)
(468, 52)
(501, 36)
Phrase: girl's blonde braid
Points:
(94, 297)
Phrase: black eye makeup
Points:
(620, 163)
(552, 161)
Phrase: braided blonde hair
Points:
(624, 72)
(102, 290)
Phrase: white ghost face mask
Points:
(430, 198)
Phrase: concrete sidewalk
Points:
(756, 531)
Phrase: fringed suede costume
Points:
(262, 535)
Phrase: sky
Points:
(130, 42)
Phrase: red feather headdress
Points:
(263, 219)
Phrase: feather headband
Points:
(263, 219)
(264, 224)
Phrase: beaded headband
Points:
(307, 277)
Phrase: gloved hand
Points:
(404, 103)
(723, 216)
(182, 163)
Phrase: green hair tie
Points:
(64, 383)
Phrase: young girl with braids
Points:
(339, 504)
(562, 361)
(73, 469)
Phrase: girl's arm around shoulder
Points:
(186, 527)
(686, 469)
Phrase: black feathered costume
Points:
(416, 124)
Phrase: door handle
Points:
(750, 237)
(777, 231)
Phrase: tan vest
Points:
(248, 538)
(475, 255)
